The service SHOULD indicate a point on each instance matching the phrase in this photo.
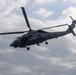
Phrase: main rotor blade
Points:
(13, 32)
(54, 26)
(26, 19)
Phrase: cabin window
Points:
(24, 39)
(39, 35)
(30, 36)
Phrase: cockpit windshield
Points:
(17, 39)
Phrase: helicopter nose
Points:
(11, 44)
(14, 44)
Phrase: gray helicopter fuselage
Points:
(35, 37)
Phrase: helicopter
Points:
(32, 37)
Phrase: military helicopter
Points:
(38, 36)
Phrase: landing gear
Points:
(15, 46)
(38, 44)
(46, 42)
(28, 48)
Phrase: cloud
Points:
(2, 4)
(44, 1)
(22, 69)
(71, 1)
(43, 12)
(64, 17)
(11, 23)
(70, 12)
(9, 6)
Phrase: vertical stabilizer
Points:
(71, 27)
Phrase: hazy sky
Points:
(56, 58)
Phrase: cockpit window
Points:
(17, 38)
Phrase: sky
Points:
(56, 58)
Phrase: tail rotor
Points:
(72, 26)
(73, 21)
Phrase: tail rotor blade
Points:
(71, 18)
(26, 19)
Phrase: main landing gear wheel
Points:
(38, 44)
(28, 48)
(46, 42)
